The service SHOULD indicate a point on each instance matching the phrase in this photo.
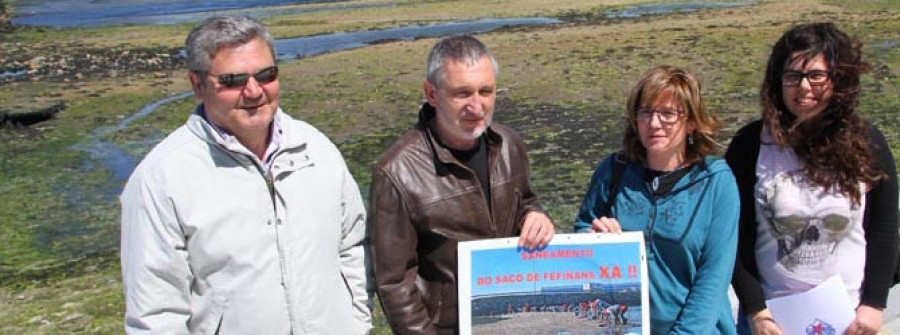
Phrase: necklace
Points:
(655, 184)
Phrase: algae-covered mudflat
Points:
(562, 86)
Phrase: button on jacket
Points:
(213, 243)
(421, 203)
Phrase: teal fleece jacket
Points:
(691, 240)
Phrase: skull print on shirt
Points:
(808, 222)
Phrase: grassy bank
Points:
(563, 88)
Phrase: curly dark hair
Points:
(832, 145)
(685, 89)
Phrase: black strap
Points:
(618, 166)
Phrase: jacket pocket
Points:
(213, 317)
(448, 316)
(432, 293)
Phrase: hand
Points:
(867, 321)
(762, 323)
(606, 225)
(537, 230)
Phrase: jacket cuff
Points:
(751, 307)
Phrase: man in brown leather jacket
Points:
(453, 177)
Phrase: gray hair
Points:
(222, 31)
(461, 48)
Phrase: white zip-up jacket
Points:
(213, 243)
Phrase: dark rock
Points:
(30, 118)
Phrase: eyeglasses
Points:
(239, 80)
(815, 78)
(666, 115)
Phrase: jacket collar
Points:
(291, 138)
(441, 153)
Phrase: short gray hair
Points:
(461, 48)
(222, 31)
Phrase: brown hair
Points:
(684, 89)
(832, 145)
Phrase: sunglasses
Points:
(239, 80)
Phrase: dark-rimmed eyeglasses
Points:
(666, 115)
(239, 80)
(815, 77)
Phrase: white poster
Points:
(579, 284)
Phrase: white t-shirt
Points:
(804, 234)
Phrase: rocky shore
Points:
(74, 61)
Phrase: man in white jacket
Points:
(244, 220)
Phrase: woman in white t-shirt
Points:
(818, 184)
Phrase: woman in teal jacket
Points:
(685, 202)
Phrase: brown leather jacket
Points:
(421, 203)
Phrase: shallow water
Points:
(292, 48)
(114, 158)
(314, 45)
(12, 74)
(88, 13)
(891, 44)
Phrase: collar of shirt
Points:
(223, 136)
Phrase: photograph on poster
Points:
(578, 284)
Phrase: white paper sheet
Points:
(825, 309)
